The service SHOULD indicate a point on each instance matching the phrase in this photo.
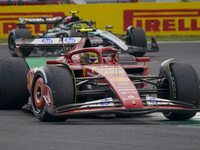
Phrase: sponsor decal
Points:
(157, 101)
(108, 68)
(105, 102)
(128, 98)
(99, 103)
(128, 92)
(47, 41)
(127, 89)
(153, 101)
(114, 71)
(163, 20)
(120, 79)
(123, 83)
(70, 40)
(131, 96)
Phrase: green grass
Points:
(175, 38)
(34, 62)
(158, 38)
(4, 40)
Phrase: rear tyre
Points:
(185, 88)
(13, 83)
(136, 37)
(59, 80)
(16, 34)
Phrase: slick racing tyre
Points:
(185, 83)
(136, 37)
(13, 83)
(59, 81)
(16, 34)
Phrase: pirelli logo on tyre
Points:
(8, 21)
(164, 21)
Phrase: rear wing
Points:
(42, 20)
(53, 21)
(47, 42)
(51, 42)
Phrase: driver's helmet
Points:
(89, 58)
(79, 26)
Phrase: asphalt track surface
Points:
(20, 130)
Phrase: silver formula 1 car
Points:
(134, 42)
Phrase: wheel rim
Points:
(38, 94)
(12, 45)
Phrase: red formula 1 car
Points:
(98, 80)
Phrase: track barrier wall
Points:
(177, 18)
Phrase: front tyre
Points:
(59, 84)
(185, 83)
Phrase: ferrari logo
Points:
(133, 102)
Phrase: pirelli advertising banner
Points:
(177, 18)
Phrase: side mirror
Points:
(109, 27)
(92, 22)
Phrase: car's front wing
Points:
(123, 111)
(113, 106)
